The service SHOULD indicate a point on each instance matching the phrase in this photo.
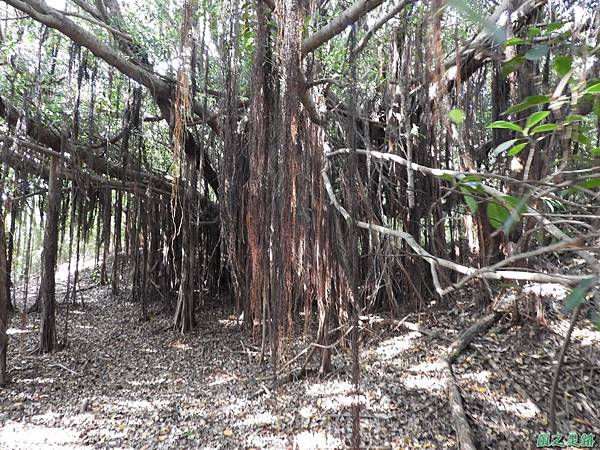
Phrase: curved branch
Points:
(381, 22)
(435, 261)
(337, 25)
(53, 18)
(498, 195)
(39, 133)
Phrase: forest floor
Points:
(125, 383)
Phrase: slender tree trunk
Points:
(106, 212)
(184, 312)
(4, 297)
(47, 284)
(117, 245)
(10, 253)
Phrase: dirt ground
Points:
(125, 383)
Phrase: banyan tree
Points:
(305, 162)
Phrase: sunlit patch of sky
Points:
(57, 4)
(172, 8)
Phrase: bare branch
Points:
(337, 25)
(435, 261)
(381, 22)
(55, 19)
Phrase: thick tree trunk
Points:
(47, 341)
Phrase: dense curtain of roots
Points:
(245, 211)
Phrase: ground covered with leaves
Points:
(126, 383)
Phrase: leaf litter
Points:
(125, 383)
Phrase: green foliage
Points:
(457, 116)
(504, 124)
(517, 208)
(590, 183)
(514, 41)
(469, 200)
(497, 214)
(593, 89)
(529, 102)
(517, 148)
(475, 16)
(512, 65)
(504, 146)
(579, 293)
(544, 128)
(537, 52)
(562, 65)
(536, 118)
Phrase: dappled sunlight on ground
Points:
(315, 440)
(14, 435)
(36, 380)
(329, 388)
(123, 383)
(393, 347)
(523, 409)
(423, 382)
(14, 331)
(557, 291)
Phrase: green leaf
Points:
(562, 65)
(577, 295)
(447, 177)
(533, 32)
(517, 149)
(471, 177)
(504, 146)
(505, 125)
(516, 203)
(497, 214)
(514, 41)
(591, 183)
(595, 317)
(536, 118)
(596, 108)
(582, 139)
(469, 200)
(545, 127)
(593, 89)
(518, 207)
(511, 65)
(473, 186)
(574, 118)
(528, 103)
(552, 27)
(476, 16)
(457, 116)
(537, 52)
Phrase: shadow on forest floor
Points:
(123, 383)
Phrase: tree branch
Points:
(381, 22)
(55, 19)
(498, 195)
(434, 261)
(337, 25)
